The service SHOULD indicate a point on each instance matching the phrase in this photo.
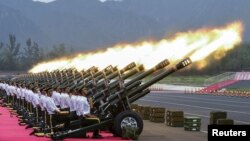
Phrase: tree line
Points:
(17, 57)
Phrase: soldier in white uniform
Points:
(23, 90)
(3, 94)
(8, 93)
(51, 110)
(18, 94)
(35, 102)
(82, 107)
(14, 95)
(28, 97)
(56, 95)
(43, 113)
(42, 101)
(84, 110)
(72, 100)
(65, 99)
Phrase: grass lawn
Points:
(238, 89)
(185, 80)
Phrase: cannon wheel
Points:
(127, 119)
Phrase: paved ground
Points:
(161, 132)
(193, 105)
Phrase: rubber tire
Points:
(118, 119)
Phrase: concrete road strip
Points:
(196, 106)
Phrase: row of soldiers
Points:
(51, 109)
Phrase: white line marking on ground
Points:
(232, 111)
(203, 131)
(238, 106)
(201, 98)
(237, 121)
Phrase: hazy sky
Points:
(47, 1)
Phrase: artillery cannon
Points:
(112, 91)
(113, 108)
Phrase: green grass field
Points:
(238, 89)
(185, 80)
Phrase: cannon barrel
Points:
(93, 69)
(108, 68)
(115, 84)
(88, 81)
(67, 76)
(85, 76)
(138, 96)
(110, 77)
(87, 73)
(91, 83)
(159, 66)
(113, 99)
(81, 77)
(130, 87)
(108, 72)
